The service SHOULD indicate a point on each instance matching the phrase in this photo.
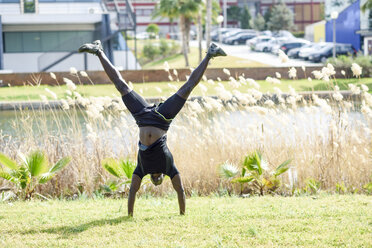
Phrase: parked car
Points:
(240, 38)
(268, 45)
(216, 32)
(253, 42)
(283, 33)
(327, 52)
(305, 51)
(285, 47)
(230, 33)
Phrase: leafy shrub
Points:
(150, 51)
(345, 62)
(164, 48)
(255, 172)
(122, 170)
(33, 170)
(312, 186)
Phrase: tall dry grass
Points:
(328, 140)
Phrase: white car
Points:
(253, 42)
(142, 36)
(268, 45)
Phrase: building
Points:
(353, 26)
(305, 11)
(43, 35)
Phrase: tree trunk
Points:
(184, 42)
(200, 36)
(208, 23)
(187, 33)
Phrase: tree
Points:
(245, 18)
(168, 9)
(258, 23)
(267, 16)
(367, 6)
(281, 18)
(186, 11)
(233, 13)
(153, 30)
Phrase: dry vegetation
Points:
(327, 140)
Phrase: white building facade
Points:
(38, 33)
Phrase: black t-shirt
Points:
(156, 159)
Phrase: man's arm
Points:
(177, 185)
(134, 187)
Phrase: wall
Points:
(347, 23)
(319, 32)
(140, 76)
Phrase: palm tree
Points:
(186, 11)
(168, 9)
(367, 6)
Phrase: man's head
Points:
(157, 178)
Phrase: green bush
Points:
(33, 170)
(256, 173)
(153, 30)
(299, 34)
(164, 48)
(345, 63)
(150, 51)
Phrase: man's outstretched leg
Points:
(111, 71)
(170, 108)
(131, 99)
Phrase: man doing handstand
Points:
(154, 157)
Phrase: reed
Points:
(327, 140)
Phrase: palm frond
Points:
(128, 167)
(243, 179)
(37, 163)
(228, 170)
(60, 164)
(7, 176)
(253, 162)
(8, 162)
(283, 167)
(112, 167)
(46, 177)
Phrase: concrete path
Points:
(244, 52)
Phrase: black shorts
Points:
(151, 115)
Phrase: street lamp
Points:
(219, 21)
(334, 16)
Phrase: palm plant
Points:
(255, 171)
(33, 170)
(122, 169)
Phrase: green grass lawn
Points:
(322, 221)
(24, 93)
(178, 61)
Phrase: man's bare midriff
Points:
(149, 135)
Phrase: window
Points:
(29, 6)
(9, 1)
(13, 42)
(61, 41)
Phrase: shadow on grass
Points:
(75, 229)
